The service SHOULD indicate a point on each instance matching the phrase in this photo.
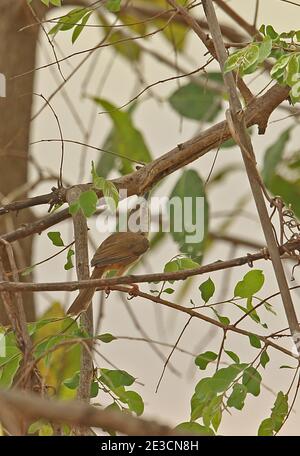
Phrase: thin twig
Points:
(86, 319)
(171, 353)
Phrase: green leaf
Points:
(279, 410)
(72, 382)
(126, 140)
(42, 349)
(223, 378)
(269, 308)
(129, 50)
(233, 61)
(195, 102)
(292, 70)
(69, 21)
(220, 381)
(266, 428)
(88, 202)
(238, 396)
(186, 263)
(201, 400)
(111, 195)
(35, 326)
(233, 356)
(244, 61)
(250, 57)
(216, 419)
(106, 338)
(224, 320)
(205, 402)
(192, 427)
(189, 213)
(113, 5)
(41, 427)
(254, 341)
(251, 312)
(79, 28)
(116, 378)
(56, 239)
(74, 208)
(251, 284)
(252, 380)
(171, 266)
(262, 29)
(175, 32)
(205, 358)
(265, 48)
(264, 359)
(110, 191)
(279, 67)
(274, 155)
(278, 415)
(134, 402)
(271, 32)
(94, 389)
(212, 412)
(180, 264)
(8, 370)
(107, 162)
(169, 290)
(69, 264)
(10, 362)
(207, 289)
(289, 192)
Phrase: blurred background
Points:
(111, 76)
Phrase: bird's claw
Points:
(133, 292)
(107, 291)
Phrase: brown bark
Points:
(17, 55)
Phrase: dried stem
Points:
(86, 319)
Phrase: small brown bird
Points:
(117, 252)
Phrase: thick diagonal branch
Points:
(242, 137)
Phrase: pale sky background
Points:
(162, 130)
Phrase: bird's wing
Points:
(120, 248)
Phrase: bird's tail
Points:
(85, 296)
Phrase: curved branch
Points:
(142, 180)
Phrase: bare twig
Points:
(86, 319)
(154, 277)
(171, 353)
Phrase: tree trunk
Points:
(17, 55)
